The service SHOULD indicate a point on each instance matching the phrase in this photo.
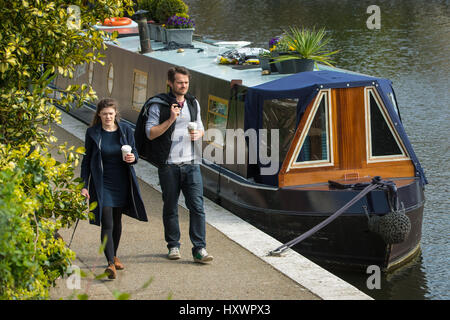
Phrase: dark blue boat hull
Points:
(285, 213)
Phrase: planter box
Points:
(180, 36)
(266, 65)
(153, 28)
(160, 33)
(294, 65)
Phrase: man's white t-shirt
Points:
(181, 148)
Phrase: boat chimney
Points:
(144, 34)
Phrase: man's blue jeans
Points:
(186, 178)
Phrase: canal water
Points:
(411, 48)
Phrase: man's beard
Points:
(178, 93)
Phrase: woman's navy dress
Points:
(115, 172)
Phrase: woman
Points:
(109, 179)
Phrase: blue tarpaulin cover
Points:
(305, 86)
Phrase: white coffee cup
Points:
(126, 149)
(192, 126)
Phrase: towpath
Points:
(241, 269)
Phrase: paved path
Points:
(240, 270)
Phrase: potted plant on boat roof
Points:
(265, 57)
(179, 29)
(299, 49)
(166, 9)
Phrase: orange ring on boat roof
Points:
(117, 21)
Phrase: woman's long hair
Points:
(102, 104)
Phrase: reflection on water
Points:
(411, 49)
(407, 282)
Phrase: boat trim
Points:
(329, 162)
(404, 259)
(233, 176)
(229, 175)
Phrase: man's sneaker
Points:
(174, 253)
(202, 256)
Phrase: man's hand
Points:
(158, 130)
(174, 112)
(196, 134)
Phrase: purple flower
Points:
(273, 41)
(176, 22)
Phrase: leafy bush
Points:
(150, 6)
(167, 8)
(41, 40)
(31, 257)
(20, 274)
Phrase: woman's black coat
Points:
(92, 172)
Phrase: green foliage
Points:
(161, 10)
(167, 8)
(31, 258)
(41, 40)
(150, 6)
(265, 54)
(38, 42)
(282, 45)
(39, 196)
(18, 269)
(305, 44)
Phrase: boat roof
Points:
(204, 61)
(304, 85)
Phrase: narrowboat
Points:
(286, 151)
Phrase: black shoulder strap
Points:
(170, 99)
(192, 106)
(167, 97)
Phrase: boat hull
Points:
(347, 242)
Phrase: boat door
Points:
(345, 134)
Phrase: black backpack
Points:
(143, 144)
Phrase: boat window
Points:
(280, 114)
(314, 146)
(217, 118)
(382, 140)
(139, 89)
(110, 78)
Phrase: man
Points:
(173, 153)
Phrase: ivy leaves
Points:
(39, 194)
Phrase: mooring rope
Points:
(376, 182)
